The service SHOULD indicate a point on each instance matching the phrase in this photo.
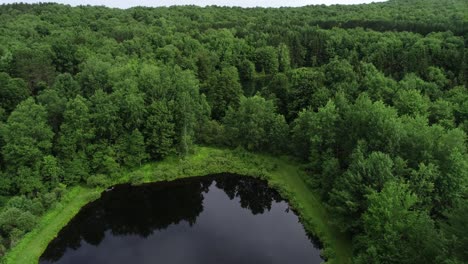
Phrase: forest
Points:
(372, 99)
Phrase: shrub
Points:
(137, 177)
(14, 218)
(98, 180)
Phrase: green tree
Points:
(442, 112)
(153, 81)
(132, 149)
(105, 116)
(284, 58)
(256, 126)
(376, 84)
(104, 161)
(131, 105)
(55, 106)
(94, 76)
(28, 139)
(222, 42)
(340, 76)
(50, 171)
(33, 66)
(266, 60)
(437, 76)
(306, 87)
(421, 182)
(348, 198)
(373, 122)
(411, 81)
(76, 131)
(411, 102)
(246, 71)
(75, 136)
(454, 231)
(459, 97)
(394, 232)
(247, 76)
(453, 181)
(15, 218)
(278, 90)
(66, 86)
(28, 180)
(12, 92)
(159, 130)
(223, 90)
(65, 55)
(314, 133)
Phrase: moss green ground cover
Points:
(282, 173)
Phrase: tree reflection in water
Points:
(143, 210)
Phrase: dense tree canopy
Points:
(372, 98)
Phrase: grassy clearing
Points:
(283, 174)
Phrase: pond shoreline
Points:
(282, 174)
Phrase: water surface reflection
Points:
(216, 219)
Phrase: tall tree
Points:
(132, 149)
(223, 90)
(411, 102)
(256, 126)
(284, 58)
(159, 130)
(348, 198)
(75, 136)
(94, 76)
(55, 106)
(394, 232)
(454, 231)
(34, 66)
(131, 105)
(28, 139)
(266, 60)
(306, 87)
(279, 90)
(66, 86)
(12, 92)
(105, 116)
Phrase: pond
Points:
(212, 219)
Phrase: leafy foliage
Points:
(372, 98)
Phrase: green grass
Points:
(282, 173)
(33, 244)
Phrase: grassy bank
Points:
(282, 173)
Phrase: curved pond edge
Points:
(282, 174)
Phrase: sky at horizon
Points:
(242, 3)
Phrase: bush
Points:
(98, 180)
(15, 236)
(24, 204)
(137, 177)
(14, 218)
(26, 221)
(48, 199)
(59, 191)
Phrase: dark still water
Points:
(219, 219)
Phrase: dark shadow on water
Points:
(213, 219)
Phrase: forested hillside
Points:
(373, 98)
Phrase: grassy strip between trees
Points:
(283, 174)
